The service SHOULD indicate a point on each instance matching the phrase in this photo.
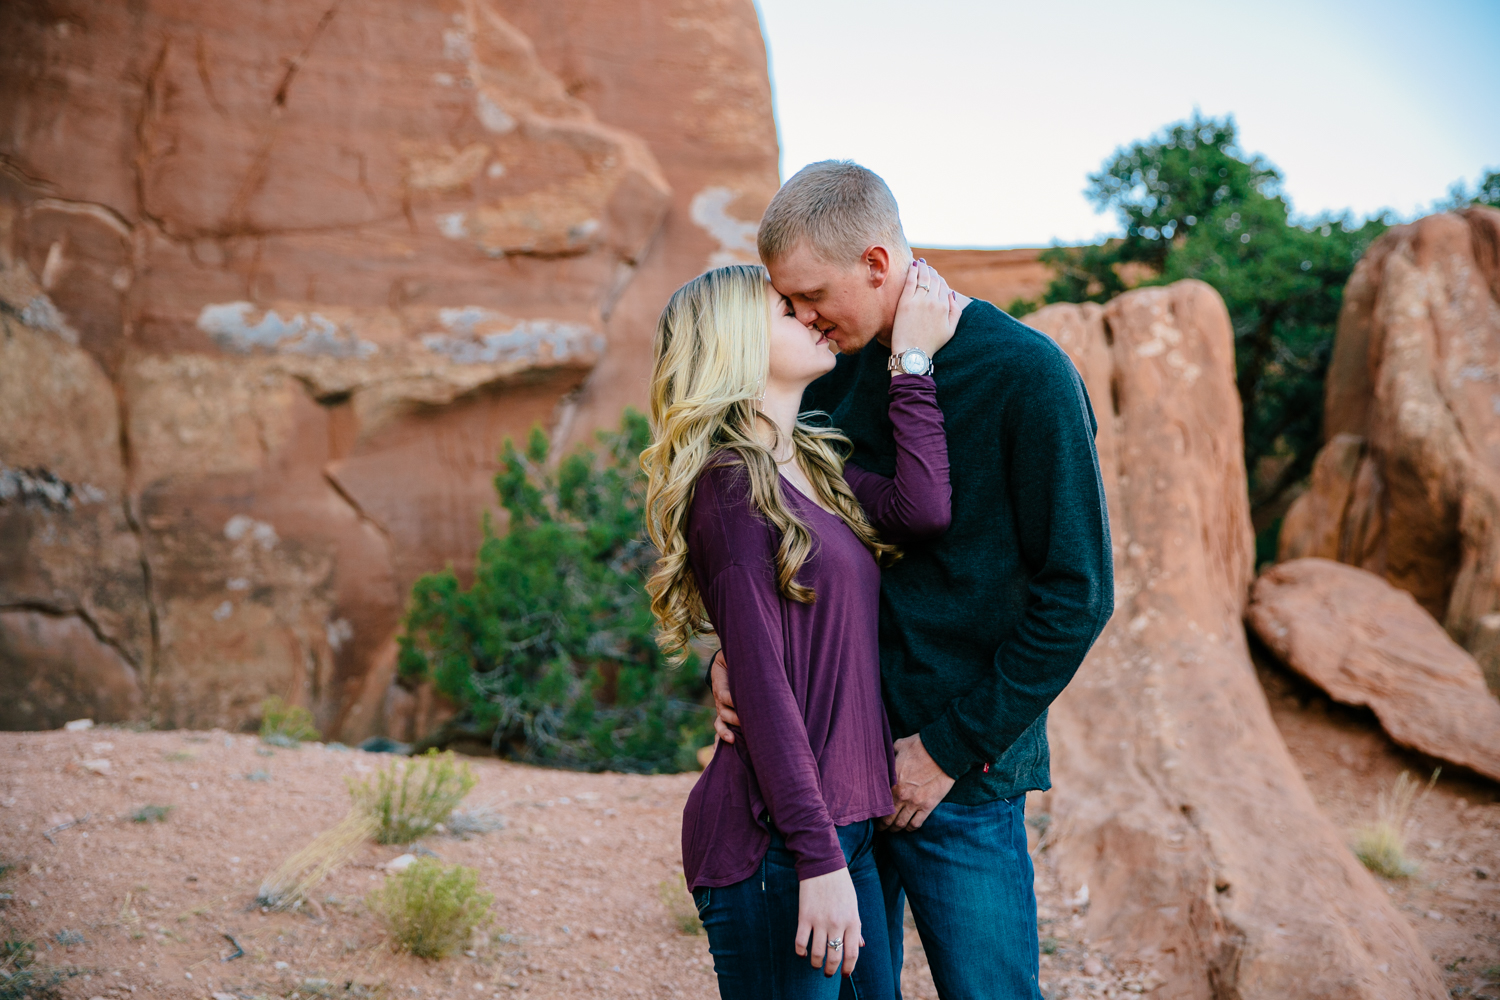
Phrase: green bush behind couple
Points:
(551, 652)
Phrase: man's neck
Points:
(884, 336)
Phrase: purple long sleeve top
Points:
(814, 748)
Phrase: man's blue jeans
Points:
(752, 929)
(969, 877)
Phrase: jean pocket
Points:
(701, 900)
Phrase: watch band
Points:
(897, 363)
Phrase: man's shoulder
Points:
(997, 344)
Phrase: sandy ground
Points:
(584, 875)
(584, 871)
(1453, 900)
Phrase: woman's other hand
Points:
(724, 713)
(928, 312)
(828, 910)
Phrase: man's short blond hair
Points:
(840, 208)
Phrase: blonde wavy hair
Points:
(711, 358)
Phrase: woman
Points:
(766, 543)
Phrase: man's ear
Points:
(878, 259)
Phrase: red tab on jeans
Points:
(986, 769)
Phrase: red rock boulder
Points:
(1367, 643)
(1408, 486)
(1176, 804)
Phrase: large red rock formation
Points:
(75, 625)
(295, 271)
(1176, 803)
(690, 78)
(1408, 486)
(1367, 643)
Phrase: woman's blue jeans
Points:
(752, 929)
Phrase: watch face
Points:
(914, 362)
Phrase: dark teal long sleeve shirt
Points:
(981, 629)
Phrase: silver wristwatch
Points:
(913, 361)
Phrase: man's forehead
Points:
(799, 288)
(802, 272)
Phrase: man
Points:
(981, 629)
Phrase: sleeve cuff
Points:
(917, 382)
(946, 749)
(814, 869)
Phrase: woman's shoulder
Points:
(723, 512)
(723, 480)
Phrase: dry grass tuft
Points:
(409, 798)
(431, 910)
(679, 903)
(1381, 845)
(287, 887)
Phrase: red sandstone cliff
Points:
(279, 279)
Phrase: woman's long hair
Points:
(711, 358)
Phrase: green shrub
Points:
(411, 797)
(551, 652)
(22, 979)
(431, 910)
(151, 814)
(286, 725)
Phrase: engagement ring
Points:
(837, 944)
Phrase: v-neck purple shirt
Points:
(814, 748)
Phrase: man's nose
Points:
(806, 314)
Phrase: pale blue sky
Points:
(986, 116)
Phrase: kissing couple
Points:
(883, 498)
